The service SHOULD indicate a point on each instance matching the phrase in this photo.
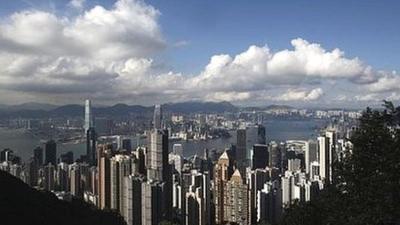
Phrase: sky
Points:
(300, 53)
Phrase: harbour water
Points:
(23, 143)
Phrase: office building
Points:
(158, 155)
(255, 180)
(287, 183)
(89, 120)
(198, 199)
(177, 161)
(91, 139)
(90, 133)
(324, 158)
(38, 156)
(194, 208)
(269, 203)
(62, 177)
(332, 137)
(274, 151)
(241, 156)
(310, 154)
(32, 170)
(294, 165)
(104, 179)
(152, 202)
(131, 208)
(157, 118)
(177, 149)
(177, 197)
(6, 155)
(75, 180)
(222, 173)
(120, 167)
(260, 156)
(236, 200)
(51, 152)
(49, 177)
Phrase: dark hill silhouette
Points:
(20, 204)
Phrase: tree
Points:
(367, 181)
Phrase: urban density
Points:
(248, 182)
(199, 112)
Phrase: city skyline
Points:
(247, 182)
(54, 52)
(199, 112)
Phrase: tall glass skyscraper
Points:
(157, 120)
(90, 134)
(89, 121)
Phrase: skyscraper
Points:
(157, 160)
(157, 119)
(51, 152)
(152, 202)
(324, 158)
(75, 180)
(132, 200)
(38, 156)
(49, 174)
(120, 167)
(255, 181)
(62, 177)
(255, 134)
(193, 208)
(91, 138)
(32, 172)
(260, 156)
(269, 203)
(287, 183)
(241, 157)
(246, 139)
(89, 121)
(222, 173)
(198, 204)
(274, 155)
(236, 200)
(331, 135)
(158, 155)
(104, 155)
(158, 168)
(90, 134)
(6, 155)
(310, 154)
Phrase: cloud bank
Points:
(109, 55)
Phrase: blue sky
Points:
(367, 29)
(194, 31)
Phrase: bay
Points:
(23, 143)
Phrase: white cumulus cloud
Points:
(110, 54)
(301, 95)
(386, 83)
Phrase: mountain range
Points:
(39, 110)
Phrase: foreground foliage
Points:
(366, 189)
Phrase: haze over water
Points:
(23, 143)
